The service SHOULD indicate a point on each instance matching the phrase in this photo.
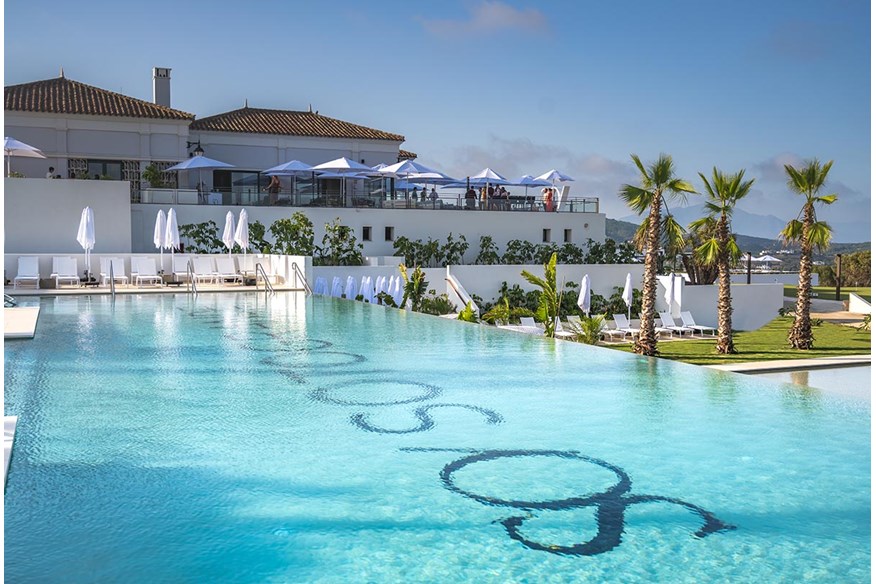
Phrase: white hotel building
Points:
(86, 131)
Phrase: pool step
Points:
(9, 423)
(20, 322)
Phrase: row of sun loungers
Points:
(622, 329)
(144, 270)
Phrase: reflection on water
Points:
(840, 381)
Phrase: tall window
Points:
(567, 236)
(366, 233)
(389, 233)
(546, 235)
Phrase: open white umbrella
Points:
(228, 233)
(555, 176)
(345, 166)
(159, 236)
(294, 169)
(628, 293)
(584, 295)
(13, 147)
(488, 176)
(171, 237)
(85, 236)
(241, 234)
(766, 259)
(199, 163)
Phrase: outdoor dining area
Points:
(346, 183)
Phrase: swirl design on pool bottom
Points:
(426, 421)
(283, 361)
(610, 504)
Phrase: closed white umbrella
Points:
(628, 293)
(320, 287)
(159, 236)
(350, 291)
(398, 292)
(337, 287)
(367, 291)
(241, 234)
(228, 234)
(670, 293)
(85, 236)
(584, 295)
(171, 237)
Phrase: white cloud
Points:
(486, 18)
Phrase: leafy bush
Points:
(201, 237)
(489, 252)
(437, 305)
(293, 236)
(467, 314)
(519, 251)
(339, 246)
(589, 329)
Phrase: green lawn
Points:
(829, 292)
(767, 344)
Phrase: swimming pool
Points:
(293, 439)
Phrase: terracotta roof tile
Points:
(406, 154)
(65, 96)
(288, 123)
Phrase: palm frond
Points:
(733, 250)
(641, 236)
(642, 171)
(793, 231)
(703, 225)
(820, 234)
(637, 198)
(707, 253)
(533, 279)
(673, 233)
(827, 199)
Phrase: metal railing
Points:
(9, 301)
(360, 199)
(300, 274)
(112, 280)
(191, 284)
(260, 269)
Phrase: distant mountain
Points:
(765, 226)
(624, 231)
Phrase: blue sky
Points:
(521, 86)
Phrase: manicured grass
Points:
(829, 292)
(767, 344)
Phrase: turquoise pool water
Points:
(234, 438)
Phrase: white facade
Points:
(64, 137)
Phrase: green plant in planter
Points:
(589, 331)
(153, 175)
(548, 299)
(415, 287)
(293, 236)
(201, 237)
(498, 314)
(467, 314)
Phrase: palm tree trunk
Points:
(646, 344)
(725, 306)
(800, 335)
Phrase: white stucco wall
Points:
(485, 281)
(754, 305)
(94, 137)
(787, 278)
(858, 305)
(503, 226)
(42, 215)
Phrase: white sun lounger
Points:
(147, 272)
(204, 270)
(64, 270)
(118, 269)
(623, 325)
(28, 271)
(687, 320)
(226, 270)
(179, 267)
(667, 322)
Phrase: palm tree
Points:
(658, 180)
(720, 248)
(810, 233)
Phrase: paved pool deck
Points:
(795, 364)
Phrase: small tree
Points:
(339, 246)
(153, 175)
(415, 287)
(548, 300)
(293, 236)
(489, 252)
(202, 237)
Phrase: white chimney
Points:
(161, 86)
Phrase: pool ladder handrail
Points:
(260, 269)
(191, 284)
(112, 280)
(300, 274)
(9, 301)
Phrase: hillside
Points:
(624, 231)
